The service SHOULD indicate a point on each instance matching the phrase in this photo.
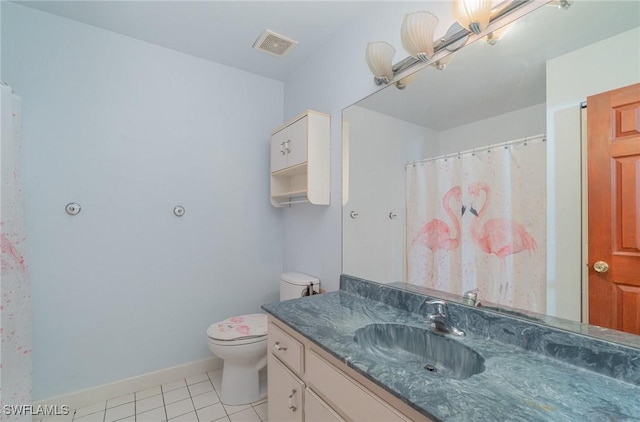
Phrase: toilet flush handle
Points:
(278, 347)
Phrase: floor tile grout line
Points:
(216, 390)
(75, 411)
(164, 404)
(192, 403)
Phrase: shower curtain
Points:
(477, 220)
(15, 306)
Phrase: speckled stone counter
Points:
(532, 372)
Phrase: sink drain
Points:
(430, 368)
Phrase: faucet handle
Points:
(470, 297)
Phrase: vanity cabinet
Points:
(299, 153)
(307, 384)
(316, 410)
(285, 392)
(285, 389)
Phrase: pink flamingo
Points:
(436, 234)
(499, 236)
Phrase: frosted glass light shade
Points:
(496, 35)
(417, 34)
(443, 62)
(472, 14)
(379, 59)
(402, 83)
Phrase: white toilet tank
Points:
(295, 285)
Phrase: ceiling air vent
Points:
(274, 44)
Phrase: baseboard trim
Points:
(111, 390)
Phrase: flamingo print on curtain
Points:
(477, 220)
(15, 309)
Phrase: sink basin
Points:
(436, 353)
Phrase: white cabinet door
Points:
(289, 145)
(296, 142)
(285, 393)
(316, 410)
(346, 394)
(279, 156)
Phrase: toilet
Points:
(241, 342)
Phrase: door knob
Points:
(601, 267)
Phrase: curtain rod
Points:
(542, 136)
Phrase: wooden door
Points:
(613, 151)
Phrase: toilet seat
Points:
(232, 343)
(243, 329)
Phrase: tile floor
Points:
(194, 399)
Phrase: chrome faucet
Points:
(440, 318)
(470, 297)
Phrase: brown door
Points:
(613, 139)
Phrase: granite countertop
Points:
(516, 385)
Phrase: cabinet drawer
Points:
(347, 395)
(285, 393)
(316, 410)
(286, 348)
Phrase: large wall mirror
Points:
(530, 84)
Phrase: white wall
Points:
(379, 146)
(597, 68)
(517, 124)
(129, 130)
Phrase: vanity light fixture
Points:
(417, 34)
(493, 37)
(473, 14)
(380, 61)
(476, 19)
(561, 4)
(443, 62)
(402, 83)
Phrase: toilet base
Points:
(242, 384)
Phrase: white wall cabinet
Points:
(300, 169)
(289, 145)
(308, 384)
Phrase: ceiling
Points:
(483, 81)
(220, 31)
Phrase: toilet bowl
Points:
(241, 342)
